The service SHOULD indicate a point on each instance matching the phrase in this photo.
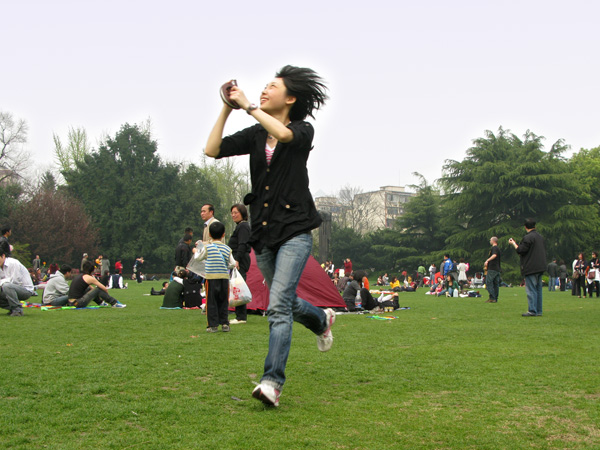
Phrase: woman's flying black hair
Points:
(308, 88)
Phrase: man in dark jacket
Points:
(183, 253)
(532, 252)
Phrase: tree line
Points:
(122, 200)
(503, 180)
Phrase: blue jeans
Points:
(282, 271)
(533, 288)
(492, 283)
(552, 283)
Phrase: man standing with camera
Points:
(532, 252)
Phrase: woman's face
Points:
(274, 96)
(580, 256)
(235, 215)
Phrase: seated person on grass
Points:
(15, 285)
(342, 283)
(162, 291)
(57, 289)
(116, 281)
(85, 288)
(174, 291)
(450, 285)
(395, 284)
(105, 278)
(350, 292)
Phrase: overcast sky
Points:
(411, 83)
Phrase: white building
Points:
(367, 211)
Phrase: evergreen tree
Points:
(139, 203)
(585, 166)
(347, 243)
(504, 180)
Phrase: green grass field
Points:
(447, 374)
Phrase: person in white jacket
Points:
(57, 288)
(15, 284)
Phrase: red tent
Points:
(315, 286)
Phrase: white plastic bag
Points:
(195, 265)
(239, 293)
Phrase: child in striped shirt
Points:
(218, 261)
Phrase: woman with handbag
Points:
(240, 249)
(593, 275)
(579, 271)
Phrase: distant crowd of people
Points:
(452, 279)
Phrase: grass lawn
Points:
(446, 374)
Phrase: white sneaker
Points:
(266, 394)
(325, 340)
(119, 305)
(235, 322)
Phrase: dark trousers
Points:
(241, 312)
(350, 304)
(563, 282)
(593, 286)
(217, 302)
(492, 283)
(580, 286)
(93, 293)
(368, 302)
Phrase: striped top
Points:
(269, 153)
(216, 254)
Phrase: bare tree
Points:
(13, 135)
(55, 226)
(359, 210)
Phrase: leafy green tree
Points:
(425, 226)
(348, 243)
(74, 151)
(231, 187)
(585, 165)
(139, 203)
(385, 252)
(48, 182)
(10, 196)
(505, 179)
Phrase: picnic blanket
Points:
(53, 308)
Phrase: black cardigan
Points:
(281, 206)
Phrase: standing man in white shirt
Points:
(15, 285)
